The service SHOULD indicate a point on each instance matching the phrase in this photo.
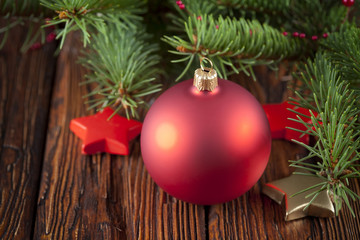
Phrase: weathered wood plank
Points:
(77, 197)
(153, 214)
(255, 216)
(25, 88)
(100, 196)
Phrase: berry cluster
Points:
(180, 4)
(348, 3)
(49, 38)
(303, 35)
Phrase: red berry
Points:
(285, 33)
(295, 34)
(179, 3)
(302, 35)
(217, 26)
(348, 3)
(325, 35)
(182, 6)
(47, 22)
(314, 38)
(35, 46)
(199, 18)
(50, 37)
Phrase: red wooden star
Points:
(102, 135)
(278, 115)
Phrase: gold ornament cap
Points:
(205, 79)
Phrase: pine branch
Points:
(315, 17)
(343, 49)
(258, 5)
(248, 9)
(20, 8)
(123, 66)
(238, 44)
(196, 8)
(262, 10)
(15, 13)
(85, 14)
(267, 11)
(335, 128)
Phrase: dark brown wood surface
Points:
(25, 89)
(50, 191)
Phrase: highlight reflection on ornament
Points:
(166, 136)
(206, 147)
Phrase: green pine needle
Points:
(124, 68)
(237, 44)
(344, 51)
(89, 15)
(335, 128)
(15, 13)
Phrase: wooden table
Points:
(49, 190)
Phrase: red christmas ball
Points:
(348, 3)
(206, 147)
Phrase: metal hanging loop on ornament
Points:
(206, 68)
(205, 79)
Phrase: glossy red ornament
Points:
(206, 147)
(102, 135)
(278, 116)
(348, 3)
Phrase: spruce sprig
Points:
(16, 8)
(123, 66)
(343, 49)
(314, 17)
(14, 13)
(334, 127)
(264, 6)
(237, 44)
(85, 14)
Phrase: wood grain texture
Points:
(153, 214)
(76, 198)
(25, 87)
(100, 196)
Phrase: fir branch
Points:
(84, 14)
(192, 8)
(196, 8)
(314, 17)
(123, 66)
(237, 44)
(343, 49)
(20, 8)
(335, 128)
(272, 8)
(262, 10)
(259, 5)
(246, 8)
(15, 13)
